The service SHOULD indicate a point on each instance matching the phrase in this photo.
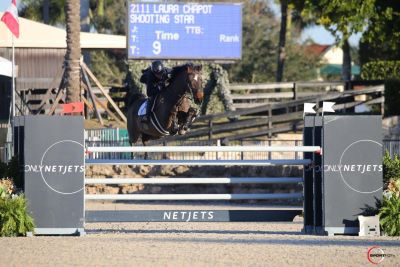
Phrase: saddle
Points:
(149, 118)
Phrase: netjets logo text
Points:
(62, 169)
(359, 161)
(187, 216)
(360, 168)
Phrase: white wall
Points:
(334, 55)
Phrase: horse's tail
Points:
(132, 94)
(132, 91)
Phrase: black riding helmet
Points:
(157, 67)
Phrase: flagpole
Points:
(13, 96)
(13, 78)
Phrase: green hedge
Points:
(392, 97)
(381, 70)
(390, 72)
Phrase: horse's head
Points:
(195, 82)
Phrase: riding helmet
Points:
(157, 67)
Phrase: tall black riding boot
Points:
(174, 128)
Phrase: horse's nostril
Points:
(200, 95)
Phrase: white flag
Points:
(309, 108)
(328, 106)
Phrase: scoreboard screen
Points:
(184, 31)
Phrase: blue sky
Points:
(318, 34)
(4, 4)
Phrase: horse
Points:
(169, 108)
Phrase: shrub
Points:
(7, 187)
(389, 215)
(389, 212)
(391, 168)
(14, 217)
(381, 70)
(393, 187)
(13, 170)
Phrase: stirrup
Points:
(174, 129)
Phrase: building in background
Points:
(39, 57)
(5, 101)
(331, 59)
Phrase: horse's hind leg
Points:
(145, 138)
(133, 138)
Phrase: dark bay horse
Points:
(168, 105)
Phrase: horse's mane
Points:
(178, 69)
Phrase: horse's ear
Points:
(198, 67)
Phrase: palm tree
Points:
(292, 18)
(73, 54)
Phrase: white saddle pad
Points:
(143, 108)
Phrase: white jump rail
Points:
(200, 162)
(137, 149)
(224, 180)
(166, 149)
(193, 196)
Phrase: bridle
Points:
(189, 84)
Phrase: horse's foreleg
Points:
(190, 117)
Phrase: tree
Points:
(282, 40)
(381, 39)
(293, 21)
(342, 18)
(73, 54)
(37, 9)
(106, 16)
(260, 30)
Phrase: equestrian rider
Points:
(156, 79)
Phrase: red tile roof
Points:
(317, 49)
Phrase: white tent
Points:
(38, 35)
(5, 67)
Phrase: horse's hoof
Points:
(182, 132)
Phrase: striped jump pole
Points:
(272, 162)
(193, 196)
(239, 180)
(165, 149)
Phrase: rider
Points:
(156, 78)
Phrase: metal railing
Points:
(6, 152)
(392, 147)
